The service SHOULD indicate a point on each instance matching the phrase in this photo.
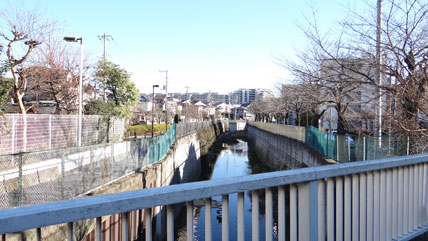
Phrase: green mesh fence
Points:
(345, 148)
(159, 146)
(325, 143)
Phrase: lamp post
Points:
(79, 132)
(153, 107)
(166, 98)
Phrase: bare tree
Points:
(23, 30)
(54, 73)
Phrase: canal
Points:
(232, 161)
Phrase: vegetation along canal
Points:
(233, 160)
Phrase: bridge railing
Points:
(374, 200)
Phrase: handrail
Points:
(23, 218)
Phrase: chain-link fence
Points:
(46, 176)
(184, 129)
(345, 148)
(159, 146)
(39, 177)
(48, 132)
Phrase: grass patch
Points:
(141, 130)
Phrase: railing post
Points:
(208, 234)
(98, 229)
(70, 231)
(313, 207)
(293, 212)
(148, 223)
(240, 217)
(125, 226)
(38, 234)
(255, 215)
(189, 220)
(281, 214)
(321, 210)
(269, 215)
(170, 223)
(225, 218)
(339, 208)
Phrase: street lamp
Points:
(153, 107)
(79, 132)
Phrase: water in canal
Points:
(232, 161)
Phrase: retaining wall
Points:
(281, 152)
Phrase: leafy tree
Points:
(96, 107)
(122, 95)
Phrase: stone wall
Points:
(281, 152)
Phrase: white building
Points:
(244, 96)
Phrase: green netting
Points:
(344, 148)
(159, 146)
(323, 142)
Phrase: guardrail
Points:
(374, 200)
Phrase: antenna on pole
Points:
(105, 38)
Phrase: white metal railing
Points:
(373, 200)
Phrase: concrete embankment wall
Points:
(281, 152)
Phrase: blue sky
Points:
(218, 45)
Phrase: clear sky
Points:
(217, 45)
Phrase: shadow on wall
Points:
(188, 171)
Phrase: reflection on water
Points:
(231, 162)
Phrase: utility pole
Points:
(166, 97)
(379, 64)
(187, 91)
(105, 38)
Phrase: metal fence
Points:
(342, 148)
(46, 176)
(40, 177)
(184, 129)
(48, 132)
(346, 148)
(159, 145)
